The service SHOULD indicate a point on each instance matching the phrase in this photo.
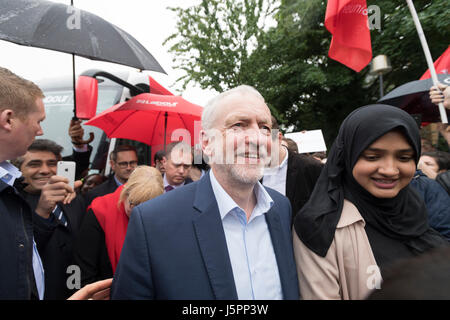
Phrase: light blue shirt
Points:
(255, 268)
(9, 173)
(117, 181)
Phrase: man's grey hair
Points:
(210, 110)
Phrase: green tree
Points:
(216, 39)
(288, 62)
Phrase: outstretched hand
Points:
(99, 290)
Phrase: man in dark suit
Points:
(177, 164)
(293, 175)
(123, 161)
(224, 236)
(55, 224)
(21, 112)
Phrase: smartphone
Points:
(66, 169)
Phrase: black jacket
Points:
(90, 252)
(302, 174)
(55, 244)
(82, 161)
(444, 180)
(16, 246)
(109, 186)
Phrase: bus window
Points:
(59, 112)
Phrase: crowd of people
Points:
(257, 220)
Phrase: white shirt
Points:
(275, 177)
(253, 261)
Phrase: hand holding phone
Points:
(66, 169)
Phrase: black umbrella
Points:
(63, 28)
(413, 97)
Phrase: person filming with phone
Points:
(56, 214)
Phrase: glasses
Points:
(125, 164)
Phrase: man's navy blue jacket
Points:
(175, 248)
(16, 246)
(436, 200)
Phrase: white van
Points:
(113, 88)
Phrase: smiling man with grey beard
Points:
(224, 236)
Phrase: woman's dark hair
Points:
(442, 158)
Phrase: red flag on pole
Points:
(442, 65)
(347, 22)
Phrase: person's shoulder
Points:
(101, 188)
(281, 203)
(169, 203)
(304, 162)
(276, 196)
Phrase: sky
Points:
(148, 21)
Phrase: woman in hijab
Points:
(362, 215)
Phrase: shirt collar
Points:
(166, 183)
(226, 204)
(279, 167)
(9, 173)
(117, 181)
(284, 162)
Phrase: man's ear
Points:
(112, 164)
(205, 143)
(6, 117)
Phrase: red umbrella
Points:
(157, 88)
(151, 119)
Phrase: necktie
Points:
(168, 188)
(59, 214)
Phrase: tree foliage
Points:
(221, 44)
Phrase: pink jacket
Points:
(348, 271)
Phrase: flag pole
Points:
(427, 53)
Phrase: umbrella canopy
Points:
(59, 27)
(413, 97)
(150, 118)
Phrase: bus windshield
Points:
(59, 112)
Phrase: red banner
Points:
(347, 21)
(442, 65)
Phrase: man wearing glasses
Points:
(123, 160)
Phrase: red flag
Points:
(442, 65)
(347, 22)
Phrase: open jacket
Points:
(348, 271)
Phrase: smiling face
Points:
(37, 168)
(386, 166)
(240, 142)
